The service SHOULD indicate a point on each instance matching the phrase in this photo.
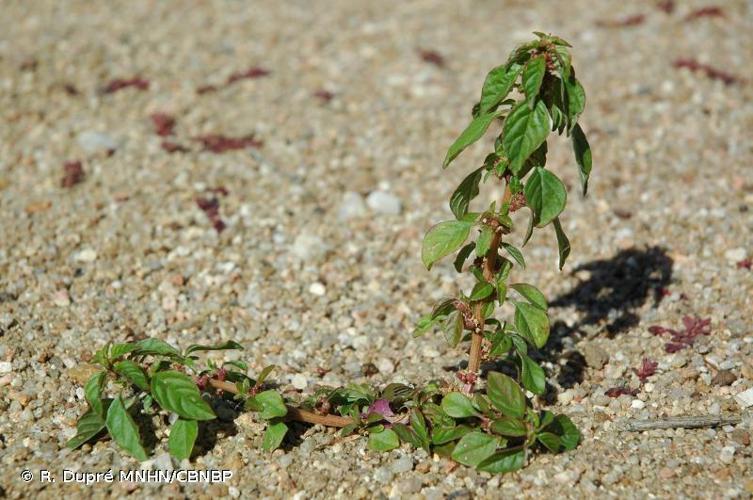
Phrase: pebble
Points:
(637, 404)
(596, 357)
(385, 366)
(352, 206)
(735, 254)
(402, 464)
(727, 455)
(86, 255)
(92, 141)
(309, 247)
(384, 202)
(61, 298)
(317, 289)
(745, 398)
(299, 381)
(6, 367)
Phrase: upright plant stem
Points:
(490, 265)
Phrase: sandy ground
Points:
(310, 254)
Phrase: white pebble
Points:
(383, 202)
(735, 254)
(352, 206)
(92, 141)
(637, 404)
(385, 366)
(727, 455)
(6, 367)
(61, 298)
(317, 289)
(299, 381)
(86, 255)
(745, 398)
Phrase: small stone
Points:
(666, 473)
(385, 366)
(6, 367)
(745, 398)
(299, 381)
(317, 289)
(383, 202)
(383, 475)
(163, 462)
(727, 455)
(86, 255)
(735, 254)
(61, 298)
(565, 397)
(92, 141)
(352, 206)
(402, 464)
(309, 247)
(596, 357)
(637, 404)
(723, 377)
(741, 437)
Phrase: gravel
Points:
(309, 254)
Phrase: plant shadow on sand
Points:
(607, 298)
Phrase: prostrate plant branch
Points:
(494, 429)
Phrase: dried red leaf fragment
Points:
(250, 74)
(324, 95)
(710, 71)
(164, 124)
(667, 6)
(173, 147)
(211, 207)
(648, 367)
(73, 173)
(616, 392)
(625, 22)
(432, 57)
(217, 143)
(124, 83)
(710, 11)
(745, 264)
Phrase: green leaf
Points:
(156, 347)
(563, 244)
(524, 131)
(272, 404)
(576, 98)
(550, 441)
(516, 254)
(133, 373)
(89, 426)
(182, 438)
(225, 346)
(481, 291)
(418, 423)
(407, 435)
(474, 448)
(465, 192)
(532, 323)
(176, 392)
(568, 433)
(93, 392)
(264, 374)
(532, 375)
(453, 328)
(274, 435)
(119, 350)
(123, 429)
(473, 132)
(497, 85)
(458, 405)
(533, 75)
(532, 294)
(384, 440)
(463, 255)
(506, 395)
(508, 426)
(443, 239)
(504, 461)
(501, 291)
(582, 152)
(443, 435)
(484, 241)
(501, 345)
(545, 195)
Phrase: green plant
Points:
(493, 429)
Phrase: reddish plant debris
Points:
(622, 213)
(648, 367)
(324, 95)
(173, 147)
(616, 392)
(70, 89)
(250, 74)
(164, 124)
(29, 64)
(432, 57)
(711, 11)
(121, 83)
(206, 89)
(693, 327)
(711, 72)
(625, 22)
(73, 173)
(211, 207)
(217, 143)
(221, 190)
(667, 6)
(745, 264)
